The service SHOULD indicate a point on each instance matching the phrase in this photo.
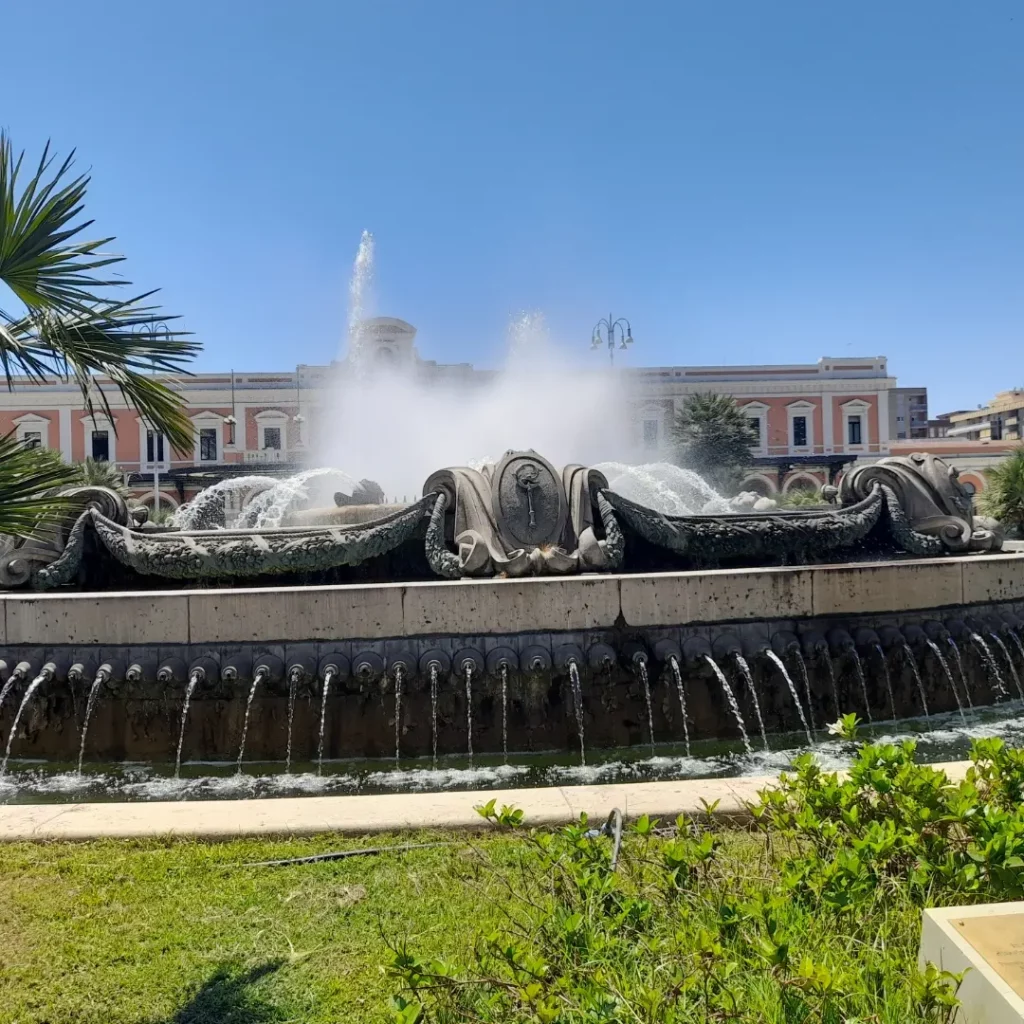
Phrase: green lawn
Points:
(812, 917)
(112, 932)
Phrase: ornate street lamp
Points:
(604, 334)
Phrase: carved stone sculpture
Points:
(935, 506)
(520, 518)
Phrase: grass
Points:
(177, 931)
(157, 932)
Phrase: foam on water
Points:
(664, 487)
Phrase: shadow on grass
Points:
(228, 998)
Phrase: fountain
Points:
(411, 622)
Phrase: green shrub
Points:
(821, 925)
(1003, 498)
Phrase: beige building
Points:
(1001, 420)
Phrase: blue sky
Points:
(748, 182)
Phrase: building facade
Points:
(1001, 420)
(809, 420)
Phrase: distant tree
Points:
(100, 473)
(1003, 498)
(713, 438)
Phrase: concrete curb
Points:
(305, 816)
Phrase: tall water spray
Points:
(360, 286)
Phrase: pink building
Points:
(810, 420)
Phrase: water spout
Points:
(858, 668)
(194, 678)
(295, 676)
(467, 669)
(832, 682)
(731, 700)
(577, 703)
(329, 673)
(43, 677)
(101, 677)
(1009, 661)
(781, 666)
(399, 677)
(960, 671)
(748, 679)
(681, 690)
(908, 655)
(887, 677)
(934, 647)
(641, 668)
(258, 677)
(503, 670)
(990, 664)
(434, 667)
(806, 680)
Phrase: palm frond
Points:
(70, 327)
(28, 475)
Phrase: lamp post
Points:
(604, 334)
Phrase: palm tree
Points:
(1003, 498)
(713, 437)
(68, 320)
(100, 473)
(28, 477)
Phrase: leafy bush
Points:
(818, 923)
(1003, 498)
(801, 497)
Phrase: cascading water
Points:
(293, 681)
(934, 648)
(101, 677)
(433, 709)
(731, 700)
(831, 669)
(781, 666)
(960, 671)
(504, 710)
(399, 678)
(681, 690)
(328, 678)
(1013, 636)
(806, 680)
(888, 679)
(748, 680)
(645, 683)
(467, 670)
(193, 680)
(32, 687)
(858, 668)
(577, 703)
(258, 677)
(1009, 661)
(664, 487)
(908, 655)
(990, 665)
(14, 677)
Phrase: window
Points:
(272, 438)
(101, 445)
(650, 433)
(996, 431)
(754, 423)
(853, 434)
(32, 438)
(154, 447)
(799, 431)
(208, 444)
